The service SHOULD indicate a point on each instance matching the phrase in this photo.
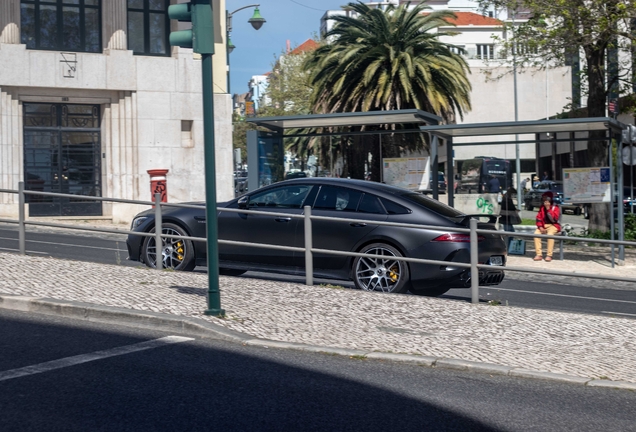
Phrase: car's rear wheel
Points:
(382, 272)
(176, 254)
(529, 206)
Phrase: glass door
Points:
(62, 153)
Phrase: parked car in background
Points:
(295, 174)
(337, 198)
(532, 198)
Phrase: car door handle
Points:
(282, 219)
(357, 224)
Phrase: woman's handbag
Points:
(514, 219)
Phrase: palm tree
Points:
(386, 60)
(391, 59)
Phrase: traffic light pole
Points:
(214, 295)
(201, 40)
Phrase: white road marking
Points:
(562, 295)
(84, 358)
(618, 313)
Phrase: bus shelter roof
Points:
(524, 127)
(368, 118)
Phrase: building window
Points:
(148, 27)
(486, 51)
(61, 25)
(458, 49)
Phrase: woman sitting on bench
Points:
(547, 223)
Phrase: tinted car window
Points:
(558, 187)
(337, 198)
(432, 205)
(370, 204)
(281, 197)
(393, 208)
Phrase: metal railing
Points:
(308, 248)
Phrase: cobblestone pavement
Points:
(575, 344)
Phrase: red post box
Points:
(158, 184)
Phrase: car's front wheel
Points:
(381, 272)
(176, 254)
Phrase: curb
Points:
(197, 327)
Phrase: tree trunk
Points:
(597, 147)
(358, 154)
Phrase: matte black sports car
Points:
(332, 197)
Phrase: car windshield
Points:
(433, 205)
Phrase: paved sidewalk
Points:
(579, 348)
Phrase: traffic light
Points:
(201, 37)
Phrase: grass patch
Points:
(358, 357)
(328, 285)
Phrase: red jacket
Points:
(543, 220)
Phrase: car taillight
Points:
(456, 238)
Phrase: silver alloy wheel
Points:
(173, 250)
(379, 274)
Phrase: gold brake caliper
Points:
(180, 251)
(393, 275)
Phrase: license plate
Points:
(496, 260)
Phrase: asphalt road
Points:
(111, 249)
(64, 375)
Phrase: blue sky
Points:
(296, 20)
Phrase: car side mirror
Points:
(243, 202)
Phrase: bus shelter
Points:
(542, 131)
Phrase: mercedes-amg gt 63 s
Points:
(363, 203)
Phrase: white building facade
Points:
(92, 96)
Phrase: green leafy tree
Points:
(239, 134)
(388, 59)
(562, 32)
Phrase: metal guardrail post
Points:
(309, 259)
(21, 218)
(158, 230)
(474, 259)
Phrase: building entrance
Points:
(62, 153)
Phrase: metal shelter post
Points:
(612, 179)
(435, 164)
(621, 215)
(450, 172)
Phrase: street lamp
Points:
(257, 22)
